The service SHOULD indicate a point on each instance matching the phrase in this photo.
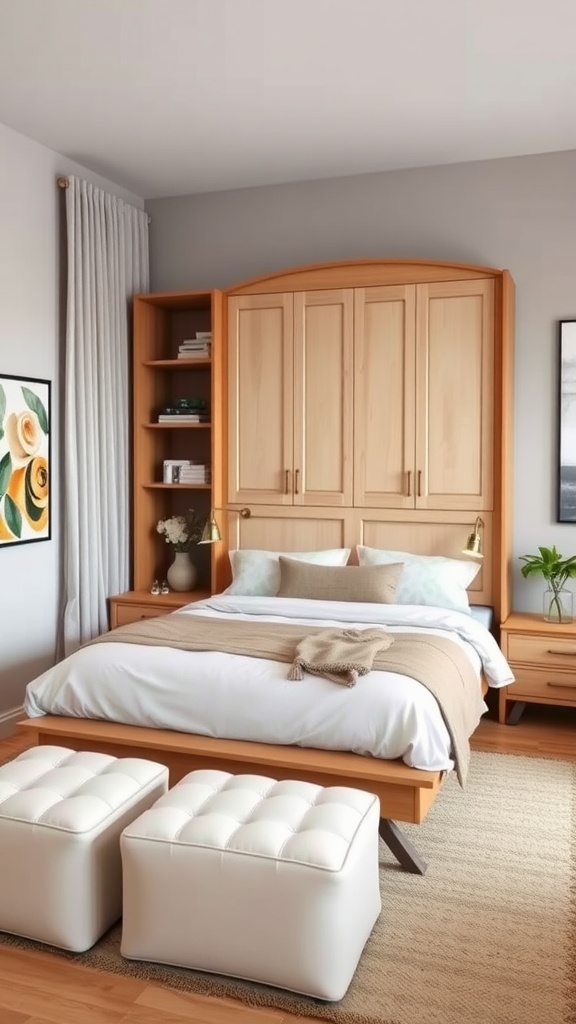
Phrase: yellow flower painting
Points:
(24, 460)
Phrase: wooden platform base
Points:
(405, 794)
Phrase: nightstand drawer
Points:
(126, 613)
(547, 686)
(549, 651)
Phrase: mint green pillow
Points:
(257, 573)
(426, 579)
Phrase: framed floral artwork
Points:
(24, 460)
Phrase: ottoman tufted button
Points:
(272, 881)
(61, 815)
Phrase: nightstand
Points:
(542, 656)
(140, 604)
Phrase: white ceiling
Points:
(172, 97)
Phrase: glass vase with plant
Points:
(556, 570)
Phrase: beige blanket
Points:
(340, 655)
(437, 663)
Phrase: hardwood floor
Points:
(541, 732)
(40, 988)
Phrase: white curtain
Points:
(108, 263)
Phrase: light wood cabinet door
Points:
(424, 396)
(290, 399)
(454, 395)
(260, 399)
(378, 397)
(384, 397)
(323, 397)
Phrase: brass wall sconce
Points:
(211, 532)
(474, 543)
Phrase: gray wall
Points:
(516, 213)
(31, 315)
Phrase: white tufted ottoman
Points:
(275, 882)
(61, 815)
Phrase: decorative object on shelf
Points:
(155, 588)
(182, 533)
(164, 589)
(473, 547)
(185, 410)
(185, 471)
(567, 424)
(211, 532)
(556, 570)
(199, 347)
(558, 605)
(181, 575)
(24, 459)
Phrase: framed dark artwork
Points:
(567, 423)
(24, 460)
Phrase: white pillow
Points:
(257, 573)
(426, 579)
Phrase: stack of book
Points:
(185, 410)
(185, 471)
(198, 347)
(194, 473)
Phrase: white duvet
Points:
(225, 695)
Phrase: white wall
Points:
(516, 213)
(31, 328)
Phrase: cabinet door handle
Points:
(409, 484)
(563, 686)
(562, 654)
(287, 482)
(419, 483)
(296, 481)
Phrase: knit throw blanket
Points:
(339, 654)
(436, 662)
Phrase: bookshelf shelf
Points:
(178, 364)
(177, 487)
(177, 426)
(162, 323)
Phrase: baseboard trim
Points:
(8, 720)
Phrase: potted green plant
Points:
(556, 570)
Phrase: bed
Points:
(129, 693)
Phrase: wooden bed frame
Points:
(405, 794)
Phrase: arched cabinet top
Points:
(361, 274)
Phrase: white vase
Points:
(182, 573)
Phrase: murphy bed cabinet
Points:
(370, 402)
(161, 323)
(424, 440)
(290, 372)
(418, 360)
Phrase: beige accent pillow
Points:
(374, 584)
(256, 573)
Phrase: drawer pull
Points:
(563, 686)
(565, 654)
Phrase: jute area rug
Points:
(487, 936)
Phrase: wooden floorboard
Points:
(37, 988)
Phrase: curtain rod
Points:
(63, 182)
